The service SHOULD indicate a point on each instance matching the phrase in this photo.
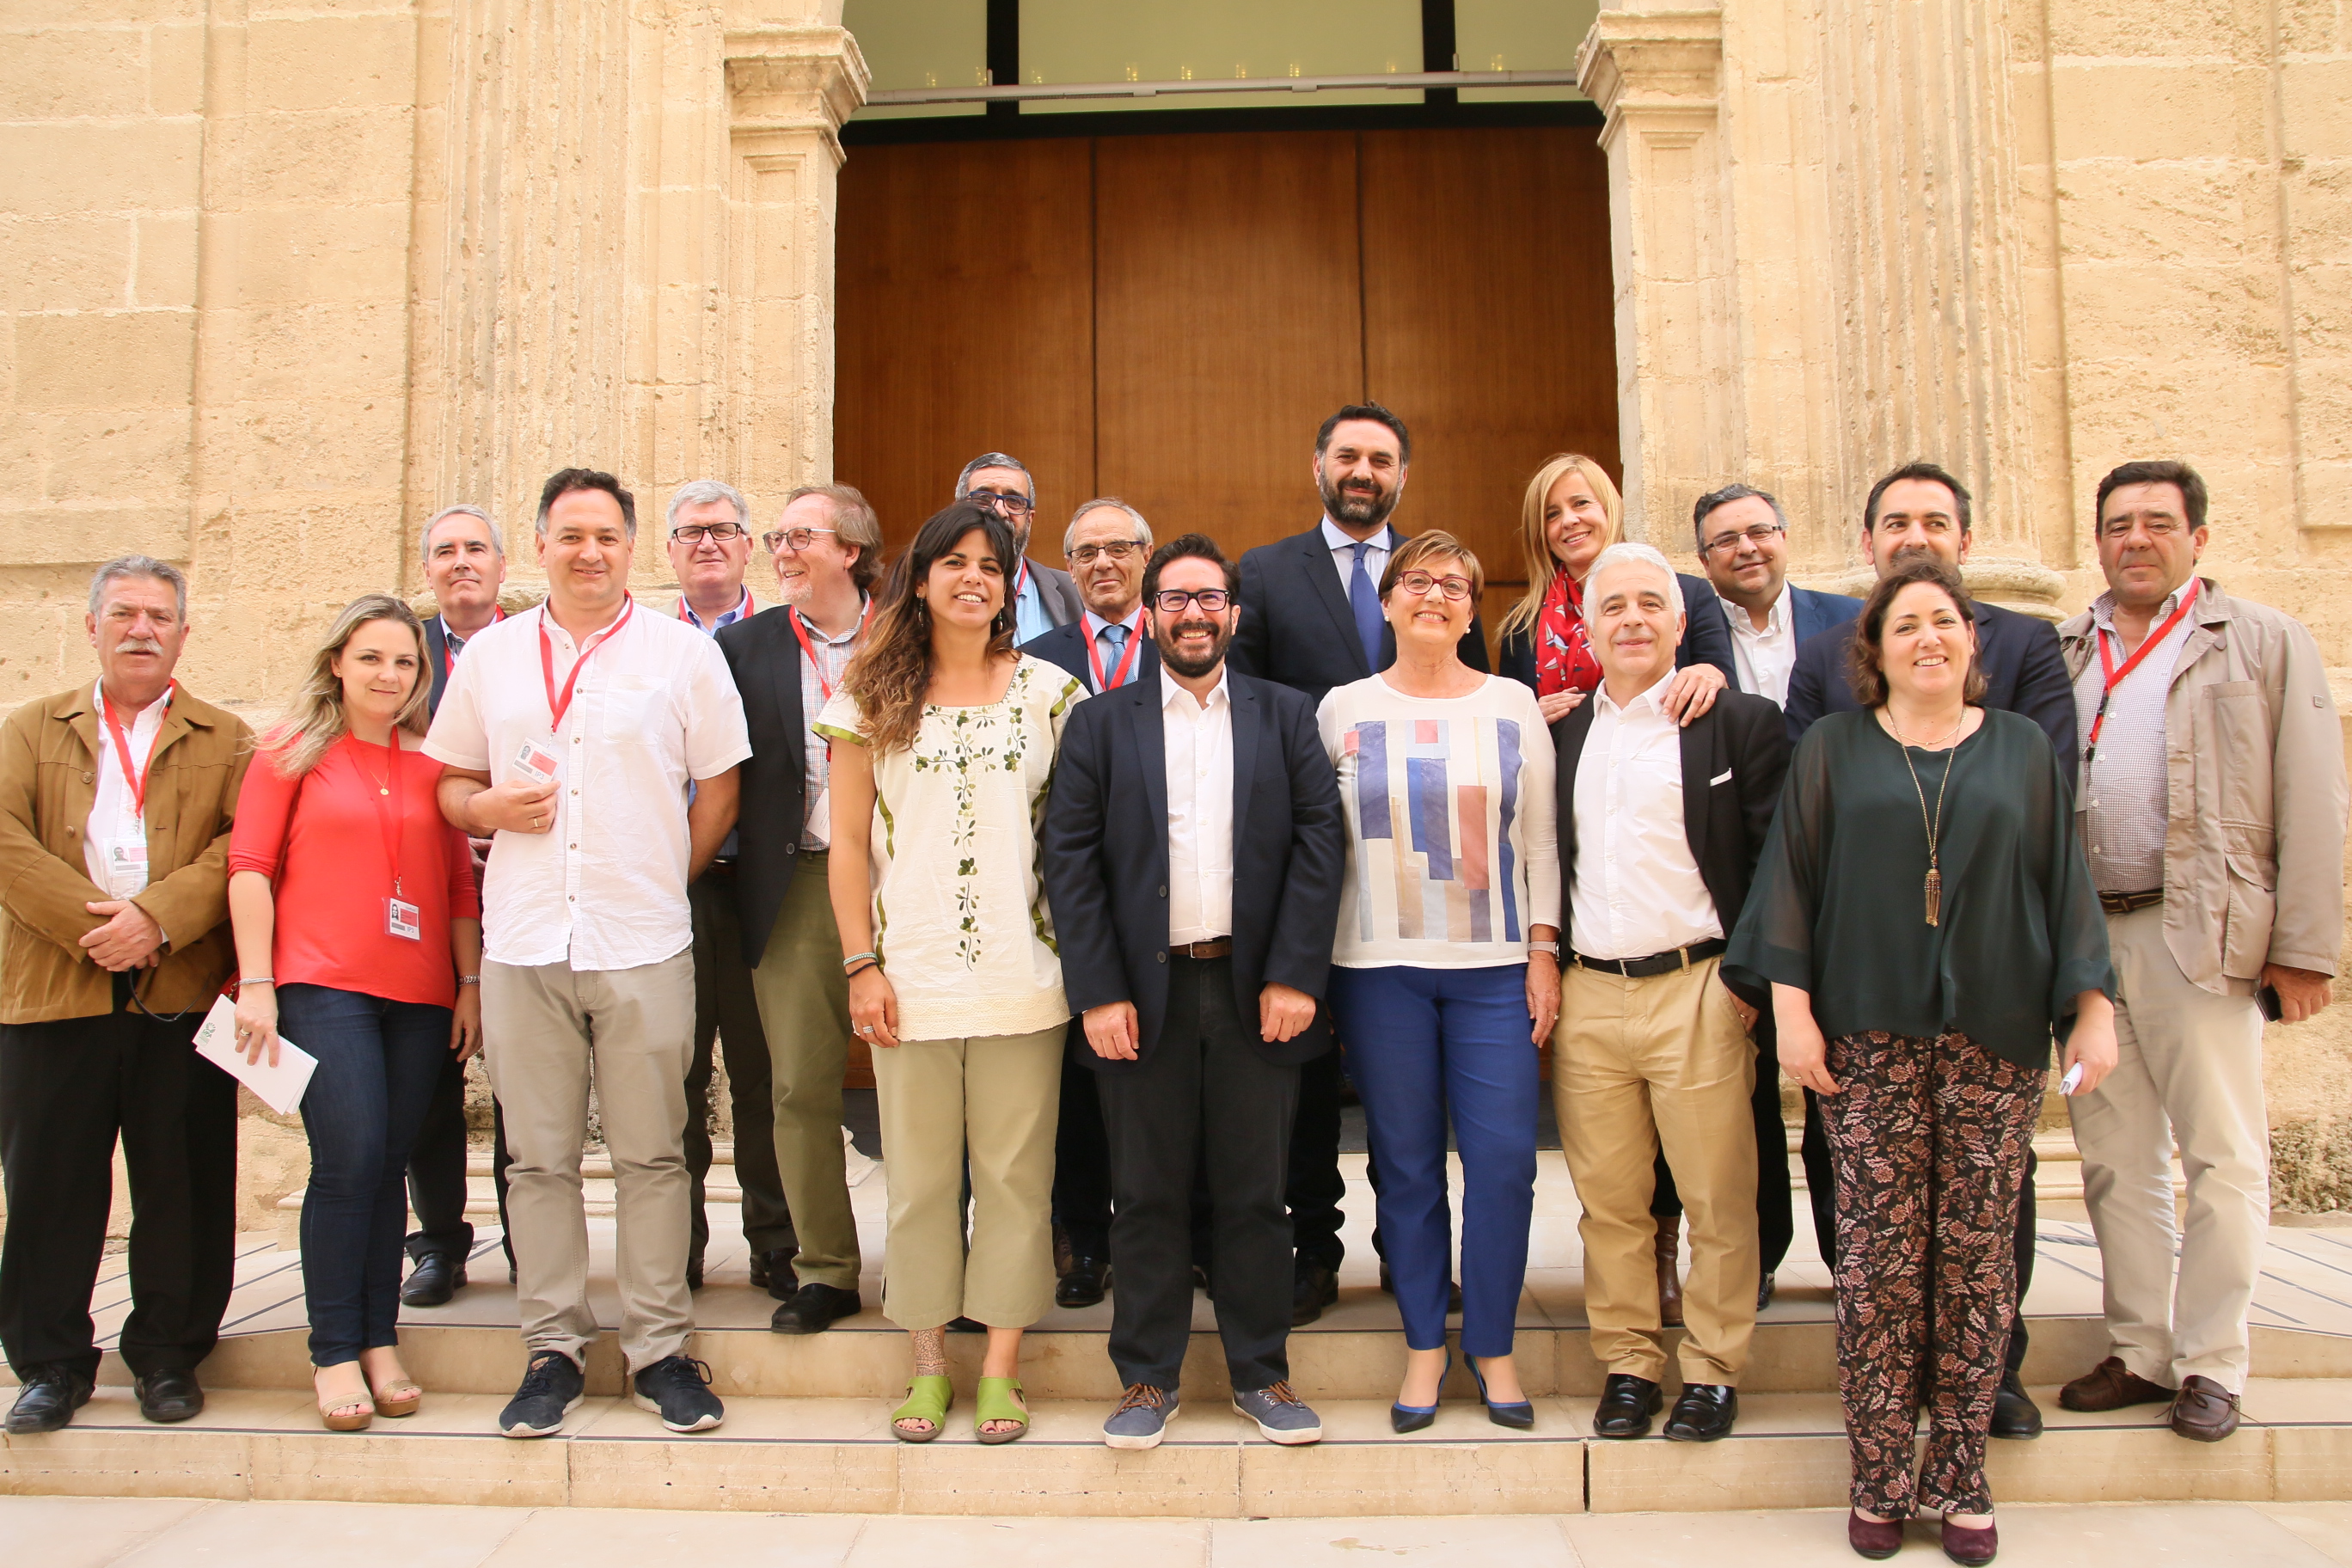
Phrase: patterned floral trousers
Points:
(1929, 1138)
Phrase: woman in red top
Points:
(358, 930)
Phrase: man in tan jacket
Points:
(2213, 802)
(115, 804)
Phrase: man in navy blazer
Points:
(1920, 509)
(1743, 545)
(1193, 851)
(1313, 622)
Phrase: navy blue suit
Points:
(1065, 648)
(1707, 637)
(1810, 614)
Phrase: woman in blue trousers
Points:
(1445, 970)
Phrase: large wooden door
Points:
(1169, 319)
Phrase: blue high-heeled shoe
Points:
(1521, 1415)
(1413, 1417)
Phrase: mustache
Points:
(139, 645)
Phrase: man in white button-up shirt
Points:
(1193, 853)
(1661, 826)
(572, 733)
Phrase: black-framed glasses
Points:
(1012, 502)
(1419, 583)
(1117, 549)
(1173, 601)
(1758, 536)
(718, 532)
(778, 539)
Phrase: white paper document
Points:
(280, 1087)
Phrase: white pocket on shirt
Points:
(629, 707)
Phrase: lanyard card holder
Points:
(537, 761)
(402, 919)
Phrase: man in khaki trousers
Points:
(1659, 826)
(2191, 698)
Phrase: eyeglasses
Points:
(696, 532)
(1118, 550)
(1757, 536)
(1419, 583)
(795, 538)
(1010, 502)
(1171, 601)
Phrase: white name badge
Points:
(401, 920)
(537, 761)
(126, 867)
(820, 816)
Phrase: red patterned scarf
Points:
(1564, 661)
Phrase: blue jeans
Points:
(378, 1062)
(1420, 1043)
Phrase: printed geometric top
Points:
(1452, 850)
(959, 917)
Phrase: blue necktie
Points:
(1365, 600)
(1113, 641)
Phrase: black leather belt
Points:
(2128, 903)
(1656, 963)
(1216, 947)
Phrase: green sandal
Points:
(994, 1403)
(928, 1399)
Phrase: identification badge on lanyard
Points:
(126, 867)
(401, 920)
(537, 761)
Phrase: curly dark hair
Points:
(891, 676)
(1863, 669)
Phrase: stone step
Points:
(814, 1455)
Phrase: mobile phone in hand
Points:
(2267, 999)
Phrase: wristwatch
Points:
(1549, 947)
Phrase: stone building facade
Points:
(278, 279)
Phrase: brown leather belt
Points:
(2128, 903)
(1218, 947)
(1656, 963)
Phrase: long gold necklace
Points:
(383, 785)
(1935, 826)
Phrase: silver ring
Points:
(864, 1029)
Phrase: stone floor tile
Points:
(659, 1538)
(906, 1541)
(83, 1532)
(1521, 1541)
(2327, 1526)
(346, 1534)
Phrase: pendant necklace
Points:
(1935, 884)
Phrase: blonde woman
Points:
(359, 931)
(944, 741)
(1572, 513)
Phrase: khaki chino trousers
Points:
(1638, 1066)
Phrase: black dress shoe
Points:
(1315, 1287)
(1084, 1284)
(1704, 1412)
(1766, 1288)
(48, 1399)
(436, 1276)
(1453, 1289)
(772, 1271)
(814, 1307)
(1627, 1402)
(2014, 1415)
(169, 1396)
(966, 1326)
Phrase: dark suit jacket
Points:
(1810, 614)
(765, 658)
(1707, 637)
(436, 654)
(1296, 629)
(2024, 673)
(1058, 593)
(1734, 757)
(1065, 648)
(1106, 857)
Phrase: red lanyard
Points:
(864, 619)
(2115, 675)
(134, 780)
(449, 653)
(1126, 660)
(389, 821)
(744, 610)
(558, 703)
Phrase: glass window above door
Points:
(1206, 40)
(1517, 36)
(920, 44)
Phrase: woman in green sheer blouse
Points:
(1926, 923)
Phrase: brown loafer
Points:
(1972, 1547)
(2112, 1385)
(2203, 1411)
(1874, 1539)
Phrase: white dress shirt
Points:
(1199, 737)
(1636, 889)
(1764, 658)
(1343, 554)
(655, 708)
(2125, 809)
(114, 817)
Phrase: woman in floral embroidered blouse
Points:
(944, 741)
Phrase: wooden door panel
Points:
(965, 323)
(1488, 318)
(1228, 324)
